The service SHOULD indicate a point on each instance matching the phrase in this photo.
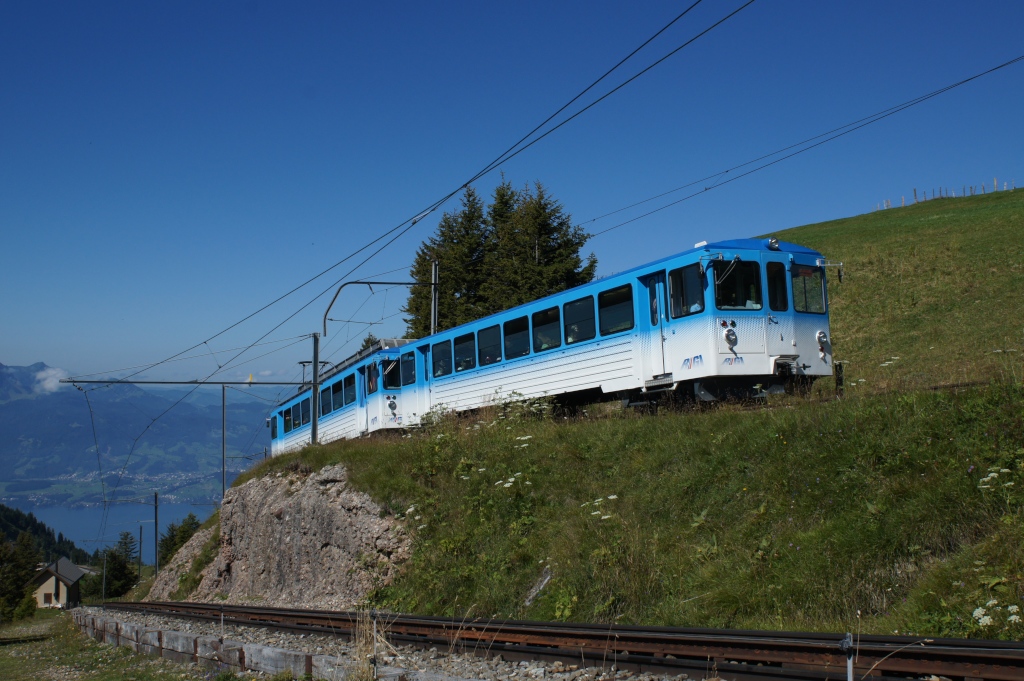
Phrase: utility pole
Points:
(140, 553)
(434, 300)
(315, 402)
(156, 533)
(223, 440)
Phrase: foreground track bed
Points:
(728, 654)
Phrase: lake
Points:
(83, 525)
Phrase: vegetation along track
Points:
(722, 653)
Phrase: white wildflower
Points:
(480, 470)
(527, 483)
(508, 484)
(500, 482)
(524, 437)
(985, 621)
(1013, 618)
(1004, 470)
(417, 517)
(605, 517)
(421, 527)
(598, 500)
(1007, 484)
(517, 475)
(612, 496)
(512, 479)
(991, 603)
(1012, 608)
(464, 477)
(585, 503)
(410, 509)
(596, 513)
(525, 444)
(978, 613)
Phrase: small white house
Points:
(56, 585)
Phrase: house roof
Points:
(64, 570)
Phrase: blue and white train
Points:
(745, 316)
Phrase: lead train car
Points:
(733, 317)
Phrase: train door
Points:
(654, 322)
(740, 314)
(391, 402)
(780, 334)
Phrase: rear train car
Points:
(739, 317)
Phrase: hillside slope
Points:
(937, 284)
(895, 509)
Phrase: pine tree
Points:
(458, 247)
(127, 547)
(369, 341)
(524, 247)
(533, 249)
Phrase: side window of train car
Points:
(517, 338)
(615, 309)
(579, 320)
(442, 354)
(685, 291)
(547, 333)
(338, 395)
(489, 341)
(296, 417)
(325, 401)
(306, 413)
(408, 368)
(778, 298)
(465, 352)
(737, 285)
(808, 289)
(350, 389)
(273, 427)
(286, 416)
(372, 376)
(392, 374)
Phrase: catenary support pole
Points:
(433, 297)
(140, 553)
(315, 401)
(223, 440)
(156, 532)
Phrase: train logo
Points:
(732, 361)
(693, 362)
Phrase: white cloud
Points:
(48, 380)
(266, 372)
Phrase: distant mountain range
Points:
(48, 451)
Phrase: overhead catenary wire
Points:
(801, 147)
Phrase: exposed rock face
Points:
(305, 542)
(180, 564)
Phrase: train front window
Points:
(808, 289)
(579, 320)
(442, 354)
(546, 331)
(392, 374)
(778, 298)
(615, 308)
(372, 374)
(685, 291)
(325, 401)
(465, 352)
(408, 368)
(489, 342)
(737, 285)
(350, 389)
(517, 338)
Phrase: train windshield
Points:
(808, 289)
(737, 285)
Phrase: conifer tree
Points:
(458, 247)
(524, 248)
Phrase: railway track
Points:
(701, 653)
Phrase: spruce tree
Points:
(458, 247)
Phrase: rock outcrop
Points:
(299, 541)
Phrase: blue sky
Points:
(168, 168)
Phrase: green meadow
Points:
(898, 508)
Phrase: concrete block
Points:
(216, 653)
(179, 646)
(130, 635)
(110, 628)
(273, 660)
(149, 642)
(337, 668)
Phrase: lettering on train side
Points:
(732, 361)
(693, 362)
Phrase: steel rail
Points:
(734, 654)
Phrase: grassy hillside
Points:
(895, 509)
(939, 284)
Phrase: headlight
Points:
(822, 338)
